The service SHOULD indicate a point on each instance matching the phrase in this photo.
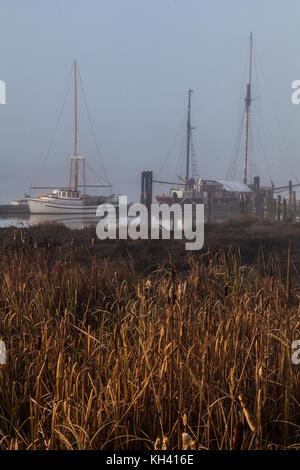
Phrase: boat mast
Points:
(248, 101)
(187, 178)
(75, 156)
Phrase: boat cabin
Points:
(67, 194)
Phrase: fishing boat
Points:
(69, 199)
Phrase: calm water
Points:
(71, 221)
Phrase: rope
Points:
(92, 129)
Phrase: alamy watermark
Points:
(296, 354)
(2, 92)
(296, 94)
(161, 221)
(2, 353)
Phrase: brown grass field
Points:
(142, 345)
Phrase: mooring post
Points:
(146, 192)
(270, 205)
(284, 210)
(290, 196)
(294, 206)
(149, 196)
(278, 207)
(274, 209)
(263, 207)
(208, 207)
(257, 201)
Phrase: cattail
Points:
(193, 445)
(184, 420)
(247, 415)
(186, 441)
(165, 443)
(157, 444)
(179, 291)
(237, 436)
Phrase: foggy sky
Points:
(137, 59)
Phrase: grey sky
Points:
(137, 58)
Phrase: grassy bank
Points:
(112, 345)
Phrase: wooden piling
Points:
(278, 207)
(274, 209)
(208, 207)
(257, 198)
(284, 210)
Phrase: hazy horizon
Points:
(137, 59)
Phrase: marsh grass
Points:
(100, 356)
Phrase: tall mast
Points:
(248, 101)
(75, 156)
(187, 177)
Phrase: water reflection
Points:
(14, 221)
(72, 221)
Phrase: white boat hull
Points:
(58, 206)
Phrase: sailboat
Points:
(69, 199)
(183, 191)
(221, 192)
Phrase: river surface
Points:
(71, 221)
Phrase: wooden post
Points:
(146, 192)
(257, 200)
(270, 205)
(263, 207)
(290, 195)
(208, 207)
(274, 209)
(284, 210)
(294, 206)
(278, 207)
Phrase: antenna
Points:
(248, 101)
(188, 141)
(75, 131)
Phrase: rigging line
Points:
(275, 111)
(180, 164)
(281, 150)
(260, 141)
(257, 123)
(251, 149)
(231, 172)
(232, 168)
(57, 123)
(180, 127)
(95, 172)
(92, 129)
